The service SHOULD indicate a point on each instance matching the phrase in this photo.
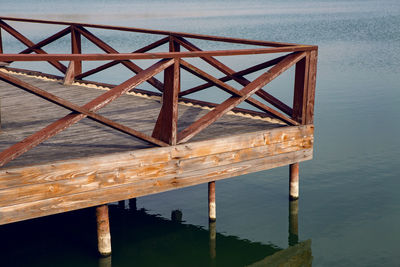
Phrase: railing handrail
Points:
(159, 55)
(158, 32)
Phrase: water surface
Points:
(349, 204)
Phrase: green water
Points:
(349, 205)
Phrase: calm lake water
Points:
(349, 202)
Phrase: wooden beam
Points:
(300, 90)
(167, 123)
(159, 32)
(147, 167)
(233, 101)
(166, 127)
(158, 55)
(312, 76)
(97, 103)
(147, 185)
(304, 88)
(29, 43)
(76, 48)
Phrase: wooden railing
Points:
(165, 132)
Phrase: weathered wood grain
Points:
(193, 155)
(81, 200)
(98, 177)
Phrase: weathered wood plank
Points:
(14, 177)
(82, 200)
(95, 179)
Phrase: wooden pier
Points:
(69, 143)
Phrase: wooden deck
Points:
(88, 165)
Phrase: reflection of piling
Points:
(293, 222)
(294, 181)
(212, 226)
(132, 204)
(103, 230)
(176, 216)
(121, 204)
(212, 215)
(105, 261)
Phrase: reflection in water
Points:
(212, 228)
(293, 222)
(105, 261)
(141, 239)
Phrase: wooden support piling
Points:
(103, 230)
(212, 213)
(294, 181)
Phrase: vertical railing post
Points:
(75, 66)
(76, 48)
(167, 123)
(303, 107)
(312, 77)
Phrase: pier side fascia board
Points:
(35, 191)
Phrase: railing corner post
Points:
(166, 128)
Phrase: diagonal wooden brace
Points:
(29, 43)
